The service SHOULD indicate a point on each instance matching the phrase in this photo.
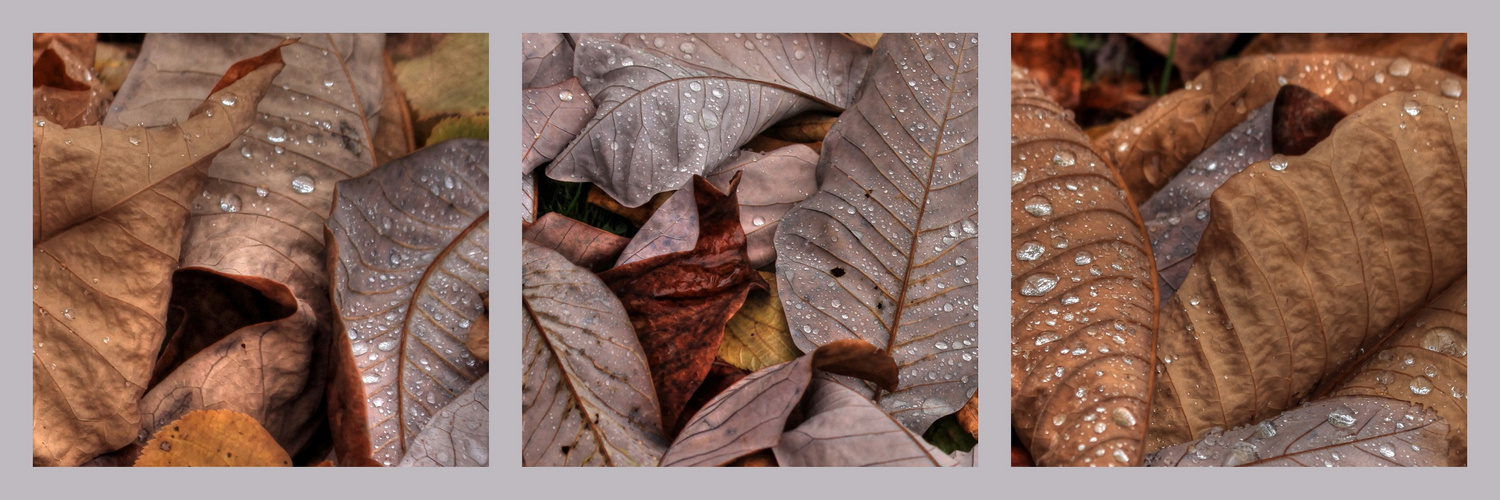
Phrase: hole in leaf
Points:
(838, 272)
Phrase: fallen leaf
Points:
(577, 336)
(1425, 362)
(772, 183)
(546, 59)
(866, 39)
(552, 117)
(106, 235)
(1079, 250)
(478, 340)
(637, 215)
(1309, 258)
(844, 429)
(113, 62)
(1445, 50)
(673, 228)
(394, 137)
(679, 302)
(461, 127)
(1191, 53)
(528, 199)
(450, 79)
(968, 416)
(63, 87)
(752, 414)
(701, 97)
(213, 438)
(458, 435)
(891, 237)
(757, 335)
(1301, 120)
(807, 127)
(720, 377)
(1054, 64)
(580, 243)
(1350, 431)
(409, 260)
(1151, 147)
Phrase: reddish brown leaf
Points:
(1310, 259)
(1348, 431)
(1150, 148)
(1301, 120)
(580, 243)
(968, 416)
(1079, 389)
(64, 89)
(679, 302)
(1054, 64)
(478, 341)
(752, 414)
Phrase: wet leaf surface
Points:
(546, 59)
(409, 257)
(757, 335)
(673, 228)
(1308, 259)
(1425, 362)
(671, 111)
(887, 250)
(213, 438)
(551, 118)
(1348, 431)
(528, 199)
(1083, 298)
(752, 414)
(580, 243)
(773, 182)
(1301, 120)
(576, 336)
(458, 435)
(1151, 147)
(108, 211)
(679, 302)
(844, 429)
(1445, 50)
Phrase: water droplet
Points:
(1030, 251)
(1039, 284)
(1341, 418)
(659, 42)
(1239, 454)
(1017, 175)
(1120, 455)
(759, 221)
(1386, 450)
(245, 151)
(1442, 339)
(327, 83)
(687, 47)
(276, 134)
(135, 140)
(387, 346)
(261, 191)
(941, 345)
(1123, 417)
(1401, 66)
(68, 313)
(627, 62)
(1059, 419)
(229, 100)
(1281, 80)
(1278, 162)
(1384, 377)
(371, 378)
(749, 45)
(688, 118)
(799, 54)
(1047, 337)
(1265, 430)
(1420, 386)
(1064, 159)
(947, 307)
(378, 401)
(710, 120)
(230, 203)
(565, 96)
(303, 184)
(960, 261)
(1451, 88)
(106, 340)
(1412, 107)
(695, 86)
(1343, 71)
(806, 329)
(1038, 206)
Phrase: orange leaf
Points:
(213, 438)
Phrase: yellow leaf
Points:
(213, 438)
(757, 336)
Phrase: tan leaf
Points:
(1309, 259)
(108, 211)
(1449, 51)
(213, 438)
(757, 336)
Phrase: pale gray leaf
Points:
(550, 118)
(459, 435)
(772, 184)
(887, 250)
(845, 429)
(672, 228)
(546, 59)
(746, 417)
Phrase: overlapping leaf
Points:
(1348, 431)
(586, 389)
(546, 59)
(552, 117)
(580, 243)
(845, 429)
(1083, 302)
(108, 211)
(672, 106)
(772, 183)
(1307, 260)
(409, 256)
(887, 250)
(459, 435)
(1149, 148)
(673, 228)
(757, 336)
(213, 438)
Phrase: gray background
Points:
(505, 479)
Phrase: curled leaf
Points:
(1348, 431)
(575, 337)
(1078, 251)
(844, 429)
(213, 438)
(409, 258)
(673, 228)
(580, 243)
(1308, 259)
(887, 250)
(672, 110)
(773, 182)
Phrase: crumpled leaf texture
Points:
(887, 250)
(1083, 303)
(1149, 148)
(107, 218)
(674, 105)
(1309, 260)
(409, 254)
(586, 391)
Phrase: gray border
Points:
(993, 21)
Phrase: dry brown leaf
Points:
(1194, 52)
(807, 127)
(1309, 259)
(213, 438)
(672, 228)
(1425, 362)
(580, 243)
(64, 90)
(757, 336)
(1079, 249)
(1449, 51)
(1150, 148)
(1054, 64)
(106, 233)
(394, 137)
(478, 340)
(968, 416)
